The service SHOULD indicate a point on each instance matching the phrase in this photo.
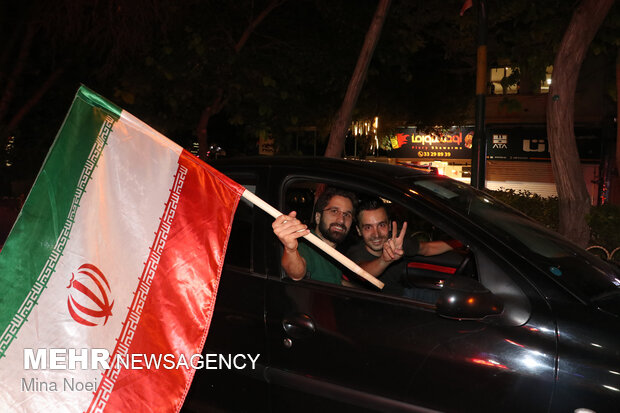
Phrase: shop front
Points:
(517, 156)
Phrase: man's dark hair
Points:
(370, 204)
(332, 191)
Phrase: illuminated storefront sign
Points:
(517, 144)
(503, 143)
(444, 143)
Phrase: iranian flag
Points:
(116, 253)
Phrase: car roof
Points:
(378, 170)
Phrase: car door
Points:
(237, 327)
(342, 349)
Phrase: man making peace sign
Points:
(379, 253)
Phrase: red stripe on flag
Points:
(178, 309)
(431, 267)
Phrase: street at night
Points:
(310, 205)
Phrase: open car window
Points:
(580, 272)
(240, 248)
(416, 277)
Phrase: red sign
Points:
(441, 143)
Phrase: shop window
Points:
(504, 81)
(545, 84)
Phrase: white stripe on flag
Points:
(113, 230)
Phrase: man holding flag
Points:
(111, 270)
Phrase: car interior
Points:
(422, 276)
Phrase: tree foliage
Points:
(288, 72)
(167, 62)
(51, 48)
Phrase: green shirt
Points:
(318, 266)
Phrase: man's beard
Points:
(333, 236)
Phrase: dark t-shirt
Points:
(392, 277)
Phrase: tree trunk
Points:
(572, 193)
(34, 99)
(6, 54)
(341, 124)
(255, 22)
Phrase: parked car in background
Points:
(525, 321)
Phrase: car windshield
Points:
(581, 272)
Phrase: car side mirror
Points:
(464, 298)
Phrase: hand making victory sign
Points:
(393, 247)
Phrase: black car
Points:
(524, 320)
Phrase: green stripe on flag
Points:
(97, 101)
(37, 239)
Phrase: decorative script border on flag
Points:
(10, 333)
(135, 311)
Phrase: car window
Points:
(416, 277)
(239, 250)
(300, 198)
(580, 272)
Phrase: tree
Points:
(51, 48)
(14, 66)
(290, 72)
(423, 67)
(342, 121)
(220, 97)
(526, 34)
(607, 43)
(566, 165)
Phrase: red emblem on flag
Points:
(88, 300)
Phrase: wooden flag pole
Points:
(332, 252)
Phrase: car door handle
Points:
(298, 325)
